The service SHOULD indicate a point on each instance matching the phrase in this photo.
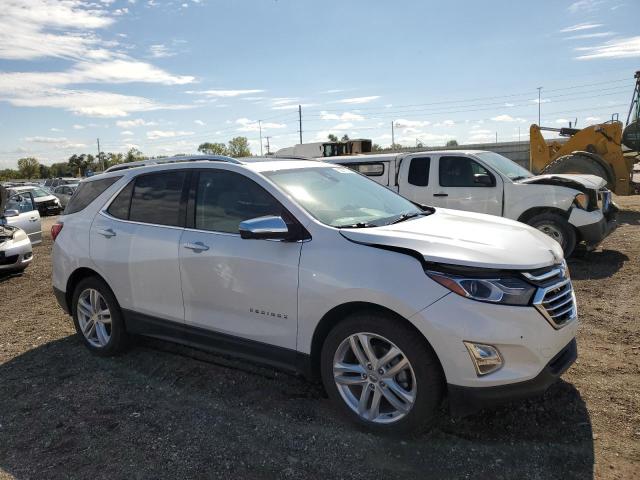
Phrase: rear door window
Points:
(157, 198)
(87, 192)
(419, 171)
(119, 207)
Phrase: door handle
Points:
(440, 194)
(107, 233)
(33, 219)
(196, 247)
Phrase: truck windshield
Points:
(340, 197)
(505, 166)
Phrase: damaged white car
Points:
(15, 245)
(572, 209)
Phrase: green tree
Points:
(133, 155)
(29, 167)
(345, 138)
(332, 137)
(113, 159)
(213, 148)
(60, 170)
(238, 147)
(452, 143)
(376, 148)
(45, 171)
(9, 174)
(396, 146)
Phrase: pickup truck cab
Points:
(571, 209)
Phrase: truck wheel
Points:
(381, 375)
(576, 163)
(557, 227)
(98, 319)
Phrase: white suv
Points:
(314, 268)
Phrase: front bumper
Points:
(466, 400)
(593, 227)
(15, 255)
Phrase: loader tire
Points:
(576, 163)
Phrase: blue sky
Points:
(167, 76)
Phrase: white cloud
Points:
(138, 122)
(283, 100)
(507, 118)
(509, 104)
(411, 123)
(590, 35)
(199, 122)
(156, 134)
(343, 126)
(247, 125)
(543, 100)
(562, 121)
(585, 6)
(223, 93)
(293, 106)
(160, 51)
(345, 117)
(55, 142)
(446, 123)
(590, 120)
(618, 48)
(126, 132)
(580, 26)
(54, 129)
(78, 127)
(358, 100)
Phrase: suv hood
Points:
(577, 181)
(467, 239)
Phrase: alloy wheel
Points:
(374, 378)
(94, 317)
(552, 231)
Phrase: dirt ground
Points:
(162, 411)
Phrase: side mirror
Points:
(11, 213)
(483, 179)
(269, 227)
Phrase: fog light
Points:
(485, 358)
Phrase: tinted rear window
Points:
(87, 192)
(156, 198)
(119, 208)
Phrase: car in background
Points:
(52, 183)
(47, 203)
(64, 193)
(15, 249)
(21, 212)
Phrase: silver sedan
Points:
(15, 249)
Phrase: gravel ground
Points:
(163, 411)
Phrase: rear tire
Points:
(98, 318)
(404, 390)
(556, 227)
(577, 163)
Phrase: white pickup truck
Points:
(572, 209)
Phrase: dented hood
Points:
(464, 238)
(571, 180)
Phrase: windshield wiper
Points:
(407, 216)
(357, 225)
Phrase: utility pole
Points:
(267, 138)
(260, 127)
(300, 121)
(100, 156)
(539, 101)
(496, 137)
(393, 138)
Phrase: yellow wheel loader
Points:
(595, 150)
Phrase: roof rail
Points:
(182, 158)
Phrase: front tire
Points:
(98, 318)
(556, 227)
(382, 375)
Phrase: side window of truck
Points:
(368, 169)
(419, 171)
(463, 172)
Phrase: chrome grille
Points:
(557, 303)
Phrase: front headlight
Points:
(506, 290)
(582, 201)
(19, 236)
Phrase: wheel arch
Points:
(337, 314)
(76, 277)
(532, 212)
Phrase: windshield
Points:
(39, 192)
(505, 166)
(339, 197)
